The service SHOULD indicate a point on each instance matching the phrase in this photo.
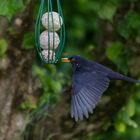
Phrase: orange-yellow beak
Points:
(67, 60)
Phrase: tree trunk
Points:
(16, 79)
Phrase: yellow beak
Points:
(65, 60)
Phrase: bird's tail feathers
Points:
(118, 76)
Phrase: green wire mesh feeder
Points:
(50, 31)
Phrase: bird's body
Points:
(90, 80)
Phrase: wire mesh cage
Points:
(50, 31)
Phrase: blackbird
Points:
(90, 80)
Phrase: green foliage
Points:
(29, 103)
(127, 123)
(9, 8)
(3, 47)
(28, 40)
(120, 126)
(115, 52)
(51, 82)
(124, 117)
(129, 26)
(130, 108)
(107, 9)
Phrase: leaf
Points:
(3, 47)
(29, 103)
(56, 86)
(120, 126)
(129, 25)
(130, 108)
(107, 10)
(132, 123)
(116, 53)
(114, 50)
(10, 7)
(41, 73)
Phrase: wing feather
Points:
(83, 106)
(79, 110)
(86, 93)
(88, 101)
(75, 115)
(90, 97)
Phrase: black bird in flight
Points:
(90, 80)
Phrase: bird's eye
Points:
(73, 59)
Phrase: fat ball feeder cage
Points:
(50, 32)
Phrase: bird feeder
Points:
(50, 31)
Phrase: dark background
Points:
(35, 98)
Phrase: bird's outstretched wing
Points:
(87, 88)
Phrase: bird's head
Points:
(76, 60)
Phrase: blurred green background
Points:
(107, 31)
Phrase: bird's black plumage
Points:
(90, 80)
